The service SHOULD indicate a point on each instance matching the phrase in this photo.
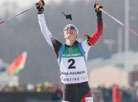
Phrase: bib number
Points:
(72, 62)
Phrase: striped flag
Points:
(17, 65)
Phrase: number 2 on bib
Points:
(72, 62)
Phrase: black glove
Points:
(40, 6)
(97, 7)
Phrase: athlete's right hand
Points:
(40, 6)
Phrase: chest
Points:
(70, 52)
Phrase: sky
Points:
(23, 4)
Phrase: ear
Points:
(76, 36)
(64, 35)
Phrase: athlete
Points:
(72, 56)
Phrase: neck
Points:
(70, 43)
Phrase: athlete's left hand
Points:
(97, 7)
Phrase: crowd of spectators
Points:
(100, 94)
(41, 87)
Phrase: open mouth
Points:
(70, 32)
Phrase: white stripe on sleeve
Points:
(44, 29)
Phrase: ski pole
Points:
(3, 21)
(125, 26)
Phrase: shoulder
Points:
(85, 44)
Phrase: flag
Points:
(17, 65)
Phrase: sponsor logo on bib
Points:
(69, 50)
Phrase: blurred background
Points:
(114, 59)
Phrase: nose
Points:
(69, 29)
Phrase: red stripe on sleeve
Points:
(98, 33)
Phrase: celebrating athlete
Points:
(72, 56)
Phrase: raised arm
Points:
(42, 22)
(55, 44)
(99, 30)
(44, 29)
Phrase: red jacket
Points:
(116, 96)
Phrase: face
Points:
(70, 32)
